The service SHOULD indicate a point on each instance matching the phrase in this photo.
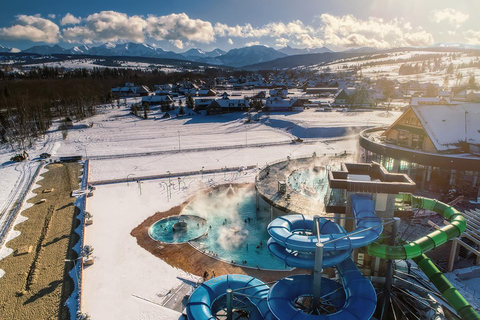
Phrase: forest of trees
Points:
(32, 99)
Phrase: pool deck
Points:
(267, 186)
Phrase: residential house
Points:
(218, 106)
(341, 98)
(130, 90)
(279, 104)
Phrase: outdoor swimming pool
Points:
(236, 232)
(162, 230)
(310, 182)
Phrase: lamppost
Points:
(466, 112)
(246, 136)
(85, 148)
(130, 174)
(178, 140)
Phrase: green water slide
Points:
(415, 250)
(432, 240)
(448, 291)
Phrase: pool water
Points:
(162, 230)
(237, 233)
(310, 182)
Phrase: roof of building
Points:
(229, 103)
(446, 125)
(277, 102)
(416, 101)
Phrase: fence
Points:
(166, 175)
(13, 212)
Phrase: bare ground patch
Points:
(36, 282)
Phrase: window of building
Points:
(403, 166)
(417, 141)
(403, 138)
(389, 164)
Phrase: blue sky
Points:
(181, 25)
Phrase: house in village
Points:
(418, 101)
(202, 103)
(206, 93)
(164, 101)
(130, 90)
(274, 104)
(473, 96)
(218, 106)
(341, 98)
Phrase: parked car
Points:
(45, 155)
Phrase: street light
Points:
(246, 136)
(178, 140)
(85, 148)
(130, 174)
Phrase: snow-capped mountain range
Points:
(8, 50)
(235, 57)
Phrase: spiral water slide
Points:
(292, 242)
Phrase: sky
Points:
(181, 25)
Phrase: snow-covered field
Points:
(126, 282)
(391, 64)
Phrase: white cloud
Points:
(177, 43)
(305, 40)
(70, 19)
(107, 26)
(230, 41)
(451, 16)
(472, 36)
(348, 31)
(254, 43)
(281, 42)
(33, 28)
(179, 27)
(51, 16)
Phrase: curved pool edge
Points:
(178, 215)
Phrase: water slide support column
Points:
(229, 304)
(317, 268)
(389, 277)
(336, 218)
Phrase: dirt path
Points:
(36, 282)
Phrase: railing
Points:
(173, 174)
(78, 266)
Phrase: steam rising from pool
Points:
(224, 205)
(237, 232)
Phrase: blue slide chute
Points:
(205, 301)
(357, 301)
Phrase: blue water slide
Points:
(293, 242)
(306, 260)
(206, 300)
(289, 231)
(358, 302)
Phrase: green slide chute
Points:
(432, 240)
(448, 291)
